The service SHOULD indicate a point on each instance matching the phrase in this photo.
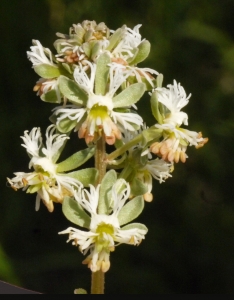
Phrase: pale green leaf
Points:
(86, 176)
(47, 71)
(75, 213)
(135, 226)
(131, 210)
(107, 183)
(76, 160)
(129, 96)
(72, 91)
(102, 74)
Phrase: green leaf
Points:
(155, 108)
(138, 188)
(66, 125)
(142, 54)
(135, 226)
(108, 181)
(76, 160)
(72, 91)
(129, 96)
(47, 71)
(86, 176)
(102, 74)
(131, 210)
(115, 38)
(51, 97)
(75, 213)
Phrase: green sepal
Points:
(183, 142)
(131, 210)
(75, 213)
(141, 54)
(95, 50)
(155, 106)
(47, 71)
(115, 38)
(159, 80)
(108, 181)
(135, 226)
(151, 134)
(129, 96)
(86, 176)
(72, 91)
(34, 188)
(87, 49)
(76, 160)
(68, 68)
(138, 188)
(51, 97)
(66, 125)
(102, 74)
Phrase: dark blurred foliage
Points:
(190, 244)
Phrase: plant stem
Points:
(98, 278)
(100, 158)
(124, 148)
(98, 281)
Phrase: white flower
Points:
(104, 231)
(176, 140)
(173, 98)
(40, 55)
(131, 39)
(45, 180)
(99, 114)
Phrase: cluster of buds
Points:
(95, 83)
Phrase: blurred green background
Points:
(190, 244)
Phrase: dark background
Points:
(190, 244)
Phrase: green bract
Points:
(76, 160)
(155, 106)
(86, 176)
(134, 226)
(104, 198)
(47, 71)
(102, 74)
(142, 53)
(72, 91)
(51, 97)
(75, 213)
(138, 188)
(131, 210)
(129, 96)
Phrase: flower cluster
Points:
(95, 82)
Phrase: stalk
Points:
(98, 278)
